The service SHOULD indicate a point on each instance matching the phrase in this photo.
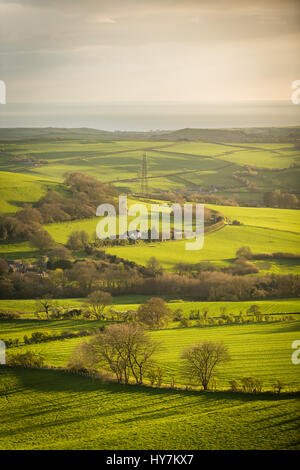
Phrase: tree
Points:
(77, 240)
(255, 310)
(46, 304)
(85, 275)
(3, 267)
(153, 267)
(59, 253)
(126, 350)
(42, 240)
(203, 358)
(244, 252)
(97, 301)
(29, 215)
(278, 386)
(154, 313)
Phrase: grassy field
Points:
(218, 246)
(264, 230)
(128, 302)
(55, 410)
(259, 349)
(18, 189)
(171, 165)
(52, 409)
(277, 219)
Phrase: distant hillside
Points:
(251, 134)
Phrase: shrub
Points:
(155, 375)
(277, 386)
(251, 384)
(184, 322)
(8, 315)
(234, 385)
(244, 252)
(26, 359)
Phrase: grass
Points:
(259, 349)
(50, 409)
(17, 189)
(220, 245)
(277, 219)
(215, 309)
(55, 410)
(171, 165)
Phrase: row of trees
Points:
(85, 277)
(283, 200)
(127, 351)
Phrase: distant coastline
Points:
(150, 116)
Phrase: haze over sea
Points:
(150, 116)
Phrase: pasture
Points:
(218, 246)
(257, 349)
(54, 410)
(171, 165)
(27, 307)
(18, 189)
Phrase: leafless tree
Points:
(201, 360)
(97, 301)
(46, 304)
(126, 350)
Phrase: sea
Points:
(150, 116)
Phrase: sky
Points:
(149, 50)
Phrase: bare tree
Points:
(126, 350)
(46, 304)
(201, 360)
(97, 301)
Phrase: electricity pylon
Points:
(144, 176)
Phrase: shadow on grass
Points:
(47, 380)
(80, 400)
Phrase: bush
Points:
(234, 385)
(27, 359)
(251, 384)
(244, 252)
(277, 386)
(8, 315)
(155, 375)
(184, 322)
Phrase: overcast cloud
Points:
(149, 50)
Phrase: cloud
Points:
(147, 49)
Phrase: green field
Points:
(131, 302)
(52, 409)
(277, 219)
(259, 349)
(55, 410)
(18, 189)
(171, 165)
(218, 246)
